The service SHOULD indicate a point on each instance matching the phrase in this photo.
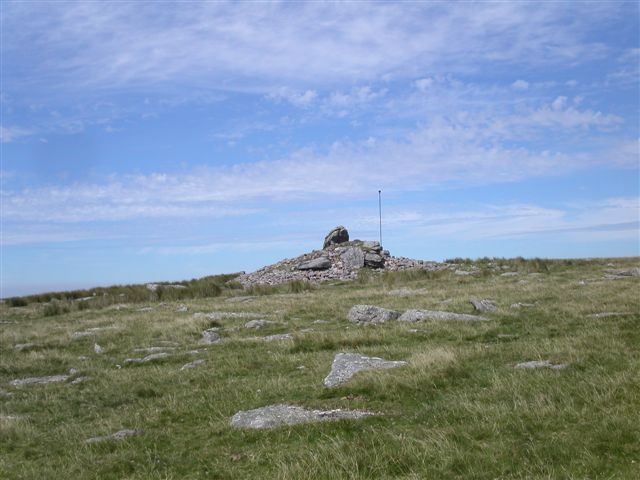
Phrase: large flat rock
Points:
(279, 415)
(370, 314)
(346, 365)
(419, 315)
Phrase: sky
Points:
(161, 141)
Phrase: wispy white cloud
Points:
(136, 44)
(11, 133)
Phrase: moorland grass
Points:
(458, 409)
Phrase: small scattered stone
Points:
(193, 364)
(274, 416)
(153, 349)
(541, 364)
(148, 358)
(223, 315)
(509, 274)
(608, 314)
(79, 380)
(243, 299)
(346, 365)
(522, 305)
(120, 435)
(365, 314)
(39, 380)
(258, 324)
(210, 336)
(182, 308)
(21, 347)
(98, 349)
(484, 305)
(320, 322)
(276, 337)
(419, 315)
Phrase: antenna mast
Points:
(380, 213)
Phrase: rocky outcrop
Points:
(336, 236)
(339, 260)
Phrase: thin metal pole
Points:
(380, 213)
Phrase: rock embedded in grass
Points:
(258, 324)
(39, 380)
(484, 305)
(119, 435)
(365, 314)
(274, 416)
(148, 358)
(193, 364)
(346, 365)
(540, 364)
(21, 347)
(419, 315)
(210, 336)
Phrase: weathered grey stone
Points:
(193, 364)
(522, 305)
(373, 260)
(370, 314)
(484, 305)
(222, 315)
(98, 349)
(352, 258)
(320, 263)
(626, 272)
(346, 365)
(148, 358)
(276, 337)
(419, 315)
(274, 416)
(242, 299)
(39, 380)
(210, 336)
(258, 324)
(21, 347)
(120, 435)
(372, 246)
(153, 349)
(608, 314)
(541, 364)
(336, 236)
(509, 274)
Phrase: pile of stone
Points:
(339, 259)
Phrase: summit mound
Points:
(339, 259)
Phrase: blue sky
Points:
(151, 141)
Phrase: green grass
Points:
(457, 410)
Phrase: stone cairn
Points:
(339, 259)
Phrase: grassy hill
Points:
(458, 409)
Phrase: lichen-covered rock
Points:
(336, 236)
(364, 314)
(352, 258)
(257, 324)
(373, 260)
(419, 315)
(320, 263)
(274, 416)
(484, 305)
(210, 336)
(346, 365)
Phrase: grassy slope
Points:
(458, 410)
